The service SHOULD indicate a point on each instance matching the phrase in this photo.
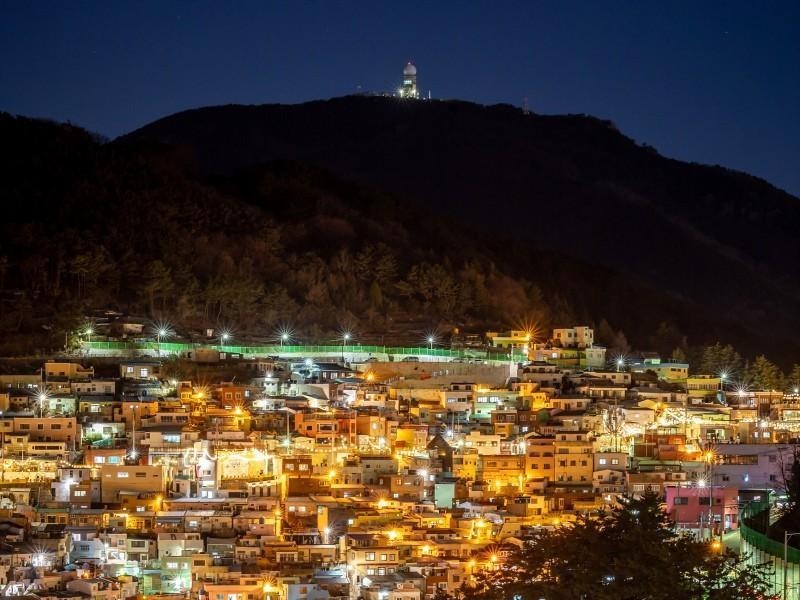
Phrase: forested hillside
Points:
(707, 236)
(139, 227)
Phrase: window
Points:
(704, 501)
(603, 461)
(172, 565)
(614, 461)
(141, 474)
(80, 493)
(681, 501)
(383, 557)
(122, 474)
(369, 556)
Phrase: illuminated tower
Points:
(409, 87)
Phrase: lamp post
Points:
(620, 364)
(284, 338)
(710, 458)
(42, 398)
(786, 536)
(159, 334)
(345, 338)
(133, 454)
(430, 341)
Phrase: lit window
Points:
(122, 474)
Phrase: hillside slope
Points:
(716, 238)
(139, 226)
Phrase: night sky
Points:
(715, 82)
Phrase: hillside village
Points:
(358, 472)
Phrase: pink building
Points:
(690, 508)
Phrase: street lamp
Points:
(42, 398)
(134, 454)
(710, 459)
(162, 332)
(345, 339)
(284, 338)
(431, 339)
(786, 536)
(620, 363)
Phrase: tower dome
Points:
(409, 87)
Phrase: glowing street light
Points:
(345, 339)
(620, 364)
(284, 338)
(162, 331)
(431, 339)
(42, 399)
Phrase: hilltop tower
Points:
(409, 87)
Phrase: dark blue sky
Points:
(715, 82)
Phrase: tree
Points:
(615, 341)
(792, 382)
(633, 552)
(157, 284)
(719, 359)
(667, 337)
(763, 374)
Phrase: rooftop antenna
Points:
(525, 109)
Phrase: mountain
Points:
(719, 242)
(135, 227)
(389, 217)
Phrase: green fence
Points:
(754, 519)
(278, 350)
